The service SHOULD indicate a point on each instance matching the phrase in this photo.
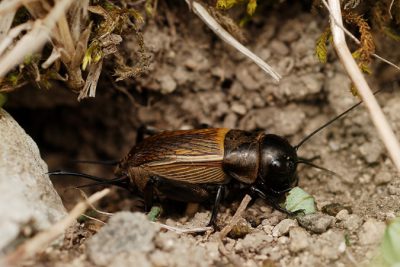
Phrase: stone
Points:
(254, 241)
(126, 232)
(342, 215)
(352, 222)
(167, 84)
(329, 245)
(371, 232)
(27, 196)
(317, 222)
(279, 48)
(371, 151)
(238, 108)
(283, 227)
(299, 239)
(246, 79)
(383, 176)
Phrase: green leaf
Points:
(3, 99)
(390, 247)
(298, 199)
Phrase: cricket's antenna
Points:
(329, 122)
(318, 167)
(97, 162)
(118, 181)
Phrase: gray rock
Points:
(352, 222)
(299, 239)
(371, 151)
(342, 215)
(238, 108)
(168, 84)
(283, 227)
(316, 222)
(125, 232)
(371, 232)
(329, 245)
(279, 48)
(254, 241)
(383, 176)
(27, 196)
(246, 79)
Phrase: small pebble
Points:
(267, 229)
(283, 227)
(299, 239)
(255, 241)
(371, 232)
(167, 83)
(383, 177)
(371, 151)
(279, 48)
(246, 79)
(317, 222)
(329, 245)
(352, 222)
(125, 232)
(342, 215)
(238, 108)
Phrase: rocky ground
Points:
(196, 79)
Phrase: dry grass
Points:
(65, 35)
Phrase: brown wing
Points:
(193, 156)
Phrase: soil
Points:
(196, 79)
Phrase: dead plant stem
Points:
(203, 14)
(376, 114)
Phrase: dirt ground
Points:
(196, 79)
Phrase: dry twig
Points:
(376, 114)
(92, 206)
(12, 34)
(44, 239)
(6, 19)
(203, 14)
(224, 232)
(35, 39)
(184, 230)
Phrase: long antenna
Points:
(329, 122)
(97, 162)
(118, 181)
(318, 167)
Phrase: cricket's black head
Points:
(277, 171)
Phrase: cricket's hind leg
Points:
(184, 192)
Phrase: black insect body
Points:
(198, 165)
